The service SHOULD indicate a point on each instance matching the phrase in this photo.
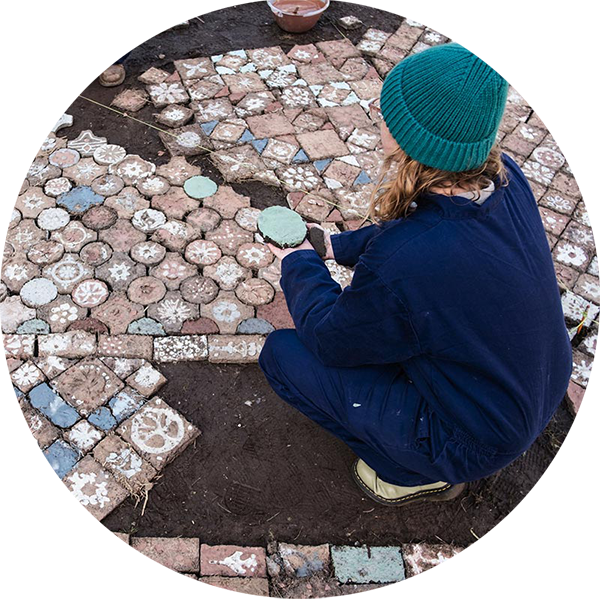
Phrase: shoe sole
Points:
(443, 494)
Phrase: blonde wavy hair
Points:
(402, 180)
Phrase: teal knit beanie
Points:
(444, 106)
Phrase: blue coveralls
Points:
(447, 355)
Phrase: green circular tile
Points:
(282, 226)
(199, 187)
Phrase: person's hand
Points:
(327, 235)
(281, 253)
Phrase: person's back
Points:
(448, 353)
(480, 288)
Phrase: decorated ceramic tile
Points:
(86, 143)
(88, 385)
(95, 488)
(158, 433)
(181, 347)
(227, 311)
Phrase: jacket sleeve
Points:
(349, 245)
(366, 323)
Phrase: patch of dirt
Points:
(265, 472)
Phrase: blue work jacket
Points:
(462, 296)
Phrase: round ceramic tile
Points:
(199, 187)
(56, 187)
(38, 291)
(52, 219)
(90, 293)
(109, 154)
(148, 220)
(64, 158)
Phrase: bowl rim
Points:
(279, 12)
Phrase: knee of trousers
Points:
(273, 349)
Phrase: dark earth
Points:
(263, 471)
(266, 472)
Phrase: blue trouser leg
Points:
(373, 409)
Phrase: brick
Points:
(322, 144)
(234, 348)
(125, 346)
(304, 561)
(182, 347)
(178, 554)
(233, 561)
(255, 586)
(72, 344)
(376, 564)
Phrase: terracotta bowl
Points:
(298, 23)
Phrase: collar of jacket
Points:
(457, 207)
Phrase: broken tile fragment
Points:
(130, 100)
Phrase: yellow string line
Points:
(210, 152)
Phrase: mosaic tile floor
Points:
(113, 265)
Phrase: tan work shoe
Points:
(113, 76)
(397, 495)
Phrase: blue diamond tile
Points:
(103, 419)
(208, 127)
(47, 401)
(362, 178)
(79, 199)
(62, 457)
(247, 136)
(260, 145)
(321, 165)
(18, 392)
(125, 403)
(300, 157)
